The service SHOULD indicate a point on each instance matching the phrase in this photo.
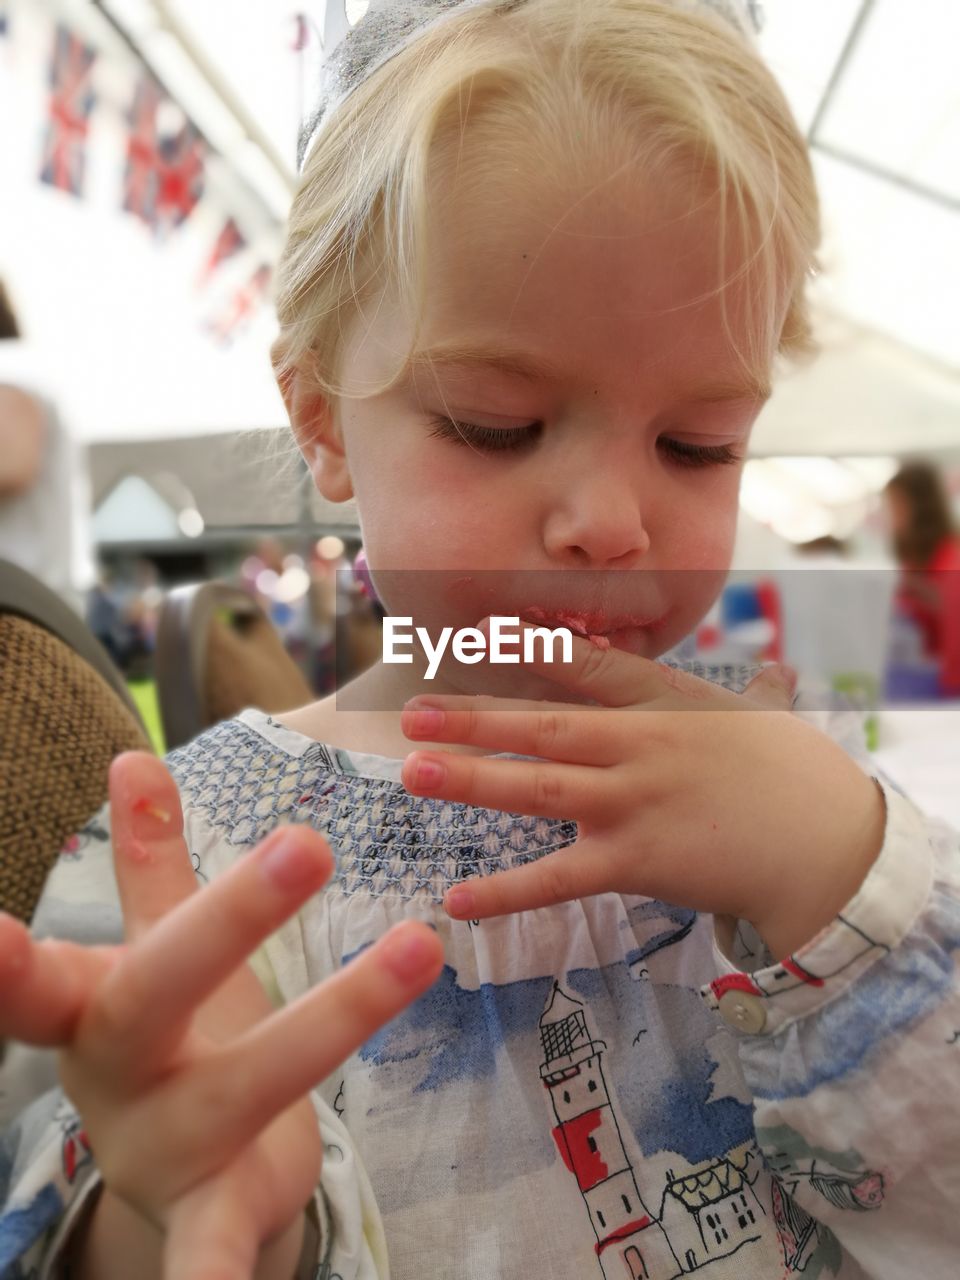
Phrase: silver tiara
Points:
(352, 53)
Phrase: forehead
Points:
(617, 255)
(583, 271)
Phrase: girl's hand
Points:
(191, 1088)
(681, 790)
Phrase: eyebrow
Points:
(522, 364)
(756, 390)
(519, 363)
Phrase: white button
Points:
(743, 1011)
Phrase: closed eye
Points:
(684, 454)
(681, 453)
(488, 439)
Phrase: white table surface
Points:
(920, 750)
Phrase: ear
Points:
(318, 435)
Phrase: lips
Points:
(593, 622)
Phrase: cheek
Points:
(428, 512)
(699, 529)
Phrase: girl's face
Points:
(578, 342)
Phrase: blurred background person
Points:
(926, 543)
(43, 491)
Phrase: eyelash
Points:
(685, 454)
(515, 439)
(491, 439)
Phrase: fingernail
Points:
(426, 719)
(408, 953)
(288, 865)
(428, 774)
(460, 901)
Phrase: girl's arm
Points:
(850, 1043)
(851, 1048)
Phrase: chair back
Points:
(64, 714)
(217, 653)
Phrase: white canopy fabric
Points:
(871, 81)
(874, 85)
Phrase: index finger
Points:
(151, 860)
(548, 730)
(147, 1002)
(608, 675)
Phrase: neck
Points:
(365, 714)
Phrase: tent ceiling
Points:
(872, 82)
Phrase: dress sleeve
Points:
(48, 1175)
(851, 1049)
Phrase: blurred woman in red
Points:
(927, 546)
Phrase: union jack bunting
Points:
(71, 102)
(165, 176)
(230, 241)
(139, 179)
(182, 176)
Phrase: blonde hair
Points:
(674, 81)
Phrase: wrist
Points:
(830, 877)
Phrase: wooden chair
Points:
(217, 653)
(64, 714)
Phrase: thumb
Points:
(774, 688)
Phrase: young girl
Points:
(541, 264)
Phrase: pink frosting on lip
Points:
(581, 622)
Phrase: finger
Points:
(146, 1002)
(542, 790)
(207, 1239)
(563, 876)
(553, 731)
(153, 868)
(282, 1058)
(604, 674)
(44, 986)
(774, 688)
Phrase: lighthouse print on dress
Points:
(629, 1242)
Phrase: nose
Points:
(599, 519)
